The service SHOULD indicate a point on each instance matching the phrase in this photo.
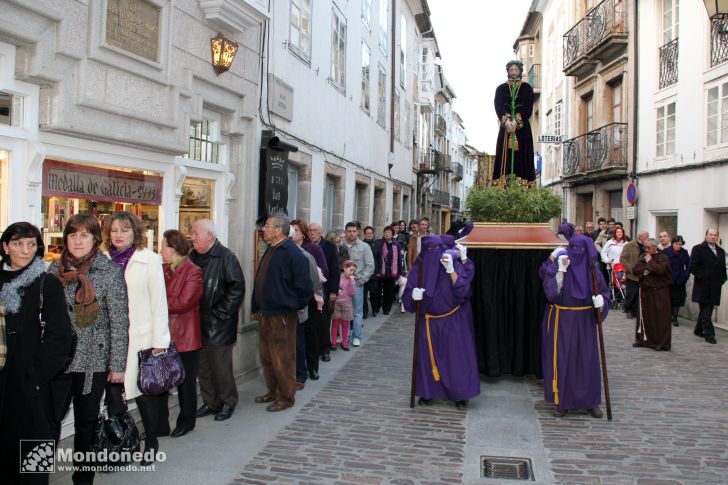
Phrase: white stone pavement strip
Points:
(360, 429)
(670, 421)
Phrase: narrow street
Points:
(355, 425)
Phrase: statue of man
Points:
(514, 105)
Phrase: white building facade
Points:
(114, 105)
(348, 71)
(682, 159)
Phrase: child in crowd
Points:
(343, 308)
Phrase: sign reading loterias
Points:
(550, 138)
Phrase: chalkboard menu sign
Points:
(273, 195)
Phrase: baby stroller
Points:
(617, 285)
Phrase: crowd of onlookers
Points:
(71, 332)
(648, 278)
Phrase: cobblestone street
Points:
(669, 421)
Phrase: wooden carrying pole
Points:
(601, 349)
(418, 313)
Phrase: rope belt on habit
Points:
(555, 382)
(435, 372)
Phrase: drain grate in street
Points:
(509, 468)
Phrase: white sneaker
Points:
(356, 342)
(401, 308)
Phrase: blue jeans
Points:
(358, 304)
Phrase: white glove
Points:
(598, 301)
(563, 263)
(417, 293)
(555, 253)
(446, 261)
(463, 252)
(511, 126)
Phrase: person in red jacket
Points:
(184, 292)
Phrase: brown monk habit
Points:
(655, 327)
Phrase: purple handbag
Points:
(160, 373)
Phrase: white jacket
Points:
(148, 318)
(612, 250)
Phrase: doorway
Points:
(721, 319)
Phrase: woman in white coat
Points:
(148, 319)
(612, 250)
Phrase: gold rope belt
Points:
(555, 381)
(435, 372)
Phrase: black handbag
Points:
(116, 434)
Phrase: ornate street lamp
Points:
(223, 53)
(716, 8)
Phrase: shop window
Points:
(292, 191)
(203, 142)
(11, 109)
(361, 203)
(666, 223)
(196, 202)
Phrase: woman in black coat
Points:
(680, 264)
(35, 351)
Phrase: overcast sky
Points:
(476, 41)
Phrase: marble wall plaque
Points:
(133, 25)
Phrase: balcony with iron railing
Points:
(432, 161)
(718, 40)
(668, 64)
(598, 37)
(457, 171)
(597, 154)
(440, 197)
(534, 78)
(455, 203)
(440, 125)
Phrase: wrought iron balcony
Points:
(440, 125)
(455, 203)
(457, 171)
(432, 161)
(440, 197)
(668, 64)
(599, 36)
(597, 153)
(718, 40)
(534, 78)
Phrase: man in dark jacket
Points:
(223, 288)
(331, 286)
(707, 265)
(282, 287)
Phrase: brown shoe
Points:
(300, 386)
(596, 412)
(267, 397)
(278, 406)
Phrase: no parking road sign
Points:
(631, 194)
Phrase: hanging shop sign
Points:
(273, 195)
(82, 182)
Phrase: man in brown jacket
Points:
(629, 257)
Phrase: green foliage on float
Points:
(513, 202)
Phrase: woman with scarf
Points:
(148, 318)
(388, 267)
(97, 301)
(34, 348)
(680, 264)
(184, 292)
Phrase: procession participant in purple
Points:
(570, 352)
(446, 361)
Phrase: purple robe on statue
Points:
(570, 352)
(451, 337)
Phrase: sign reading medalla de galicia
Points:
(133, 25)
(93, 183)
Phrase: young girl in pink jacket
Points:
(343, 308)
